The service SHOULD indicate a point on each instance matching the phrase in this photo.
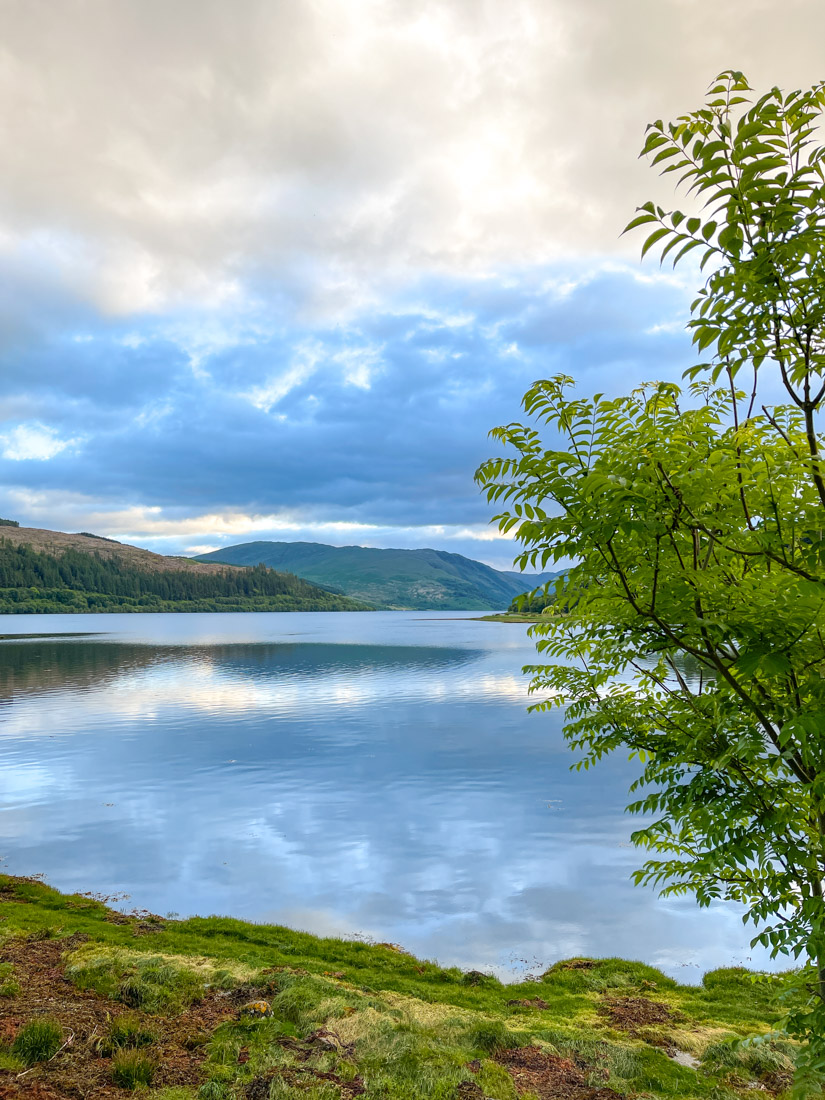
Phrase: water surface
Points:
(372, 774)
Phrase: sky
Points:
(272, 269)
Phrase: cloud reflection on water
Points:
(400, 791)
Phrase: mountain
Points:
(53, 571)
(417, 579)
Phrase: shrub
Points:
(38, 1041)
(130, 1069)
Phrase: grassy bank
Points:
(97, 1003)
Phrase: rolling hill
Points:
(415, 579)
(52, 571)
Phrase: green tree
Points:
(690, 629)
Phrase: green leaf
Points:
(653, 238)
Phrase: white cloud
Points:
(167, 533)
(175, 152)
(33, 441)
(307, 359)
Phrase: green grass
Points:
(37, 1041)
(124, 1033)
(131, 1069)
(9, 987)
(153, 983)
(404, 1026)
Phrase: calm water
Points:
(372, 774)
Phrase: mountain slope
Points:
(51, 571)
(418, 579)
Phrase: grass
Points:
(153, 983)
(38, 1041)
(9, 987)
(131, 1069)
(125, 1033)
(404, 1028)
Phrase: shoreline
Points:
(214, 1007)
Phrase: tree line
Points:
(36, 581)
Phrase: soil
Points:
(78, 1070)
(549, 1076)
(630, 1014)
(469, 1090)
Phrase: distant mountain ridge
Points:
(52, 571)
(422, 580)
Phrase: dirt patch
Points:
(147, 928)
(533, 1002)
(630, 1014)
(299, 1078)
(469, 1090)
(78, 1070)
(550, 1077)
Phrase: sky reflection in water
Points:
(373, 774)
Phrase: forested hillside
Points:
(419, 579)
(74, 580)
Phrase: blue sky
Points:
(273, 270)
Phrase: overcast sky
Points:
(273, 268)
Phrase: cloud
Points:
(164, 153)
(33, 442)
(268, 260)
(403, 819)
(376, 426)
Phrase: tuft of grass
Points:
(213, 1089)
(769, 1058)
(126, 1033)
(153, 984)
(491, 1036)
(477, 978)
(10, 1061)
(8, 986)
(38, 1040)
(584, 975)
(495, 1082)
(132, 1069)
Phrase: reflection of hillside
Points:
(49, 666)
